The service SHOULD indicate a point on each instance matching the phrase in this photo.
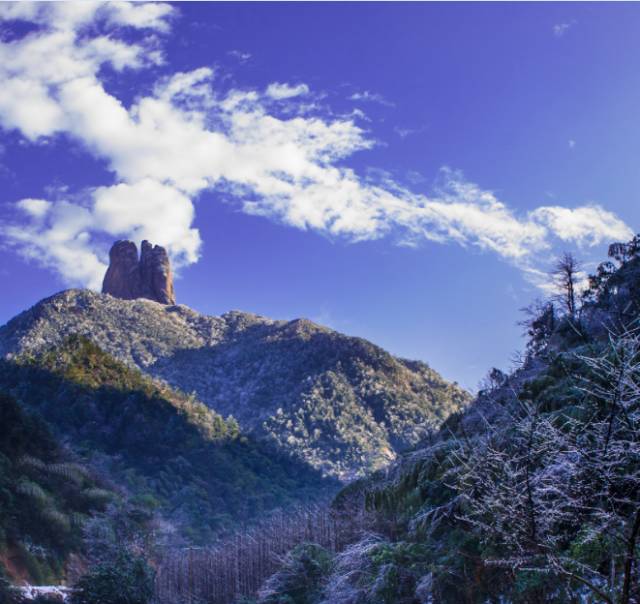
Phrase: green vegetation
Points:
(45, 495)
(169, 451)
(170, 456)
(126, 580)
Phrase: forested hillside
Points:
(102, 376)
(165, 454)
(530, 495)
(46, 495)
(338, 403)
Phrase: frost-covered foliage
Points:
(299, 580)
(530, 495)
(338, 403)
(237, 565)
(374, 571)
(559, 493)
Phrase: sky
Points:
(403, 172)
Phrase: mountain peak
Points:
(148, 277)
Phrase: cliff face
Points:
(339, 403)
(148, 277)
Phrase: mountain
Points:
(340, 404)
(137, 422)
(162, 450)
(530, 495)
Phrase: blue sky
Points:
(401, 172)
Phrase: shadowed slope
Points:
(162, 446)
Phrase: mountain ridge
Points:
(342, 404)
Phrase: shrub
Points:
(299, 580)
(126, 580)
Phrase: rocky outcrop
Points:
(156, 279)
(148, 277)
(122, 279)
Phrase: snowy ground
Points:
(31, 592)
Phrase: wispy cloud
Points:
(186, 136)
(357, 114)
(560, 29)
(240, 56)
(571, 143)
(405, 132)
(371, 97)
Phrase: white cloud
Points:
(25, 105)
(141, 15)
(188, 87)
(241, 56)
(148, 210)
(186, 136)
(280, 91)
(76, 13)
(57, 231)
(585, 226)
(56, 238)
(560, 29)
(371, 97)
(36, 208)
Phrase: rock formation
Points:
(122, 278)
(148, 277)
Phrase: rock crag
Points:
(148, 277)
